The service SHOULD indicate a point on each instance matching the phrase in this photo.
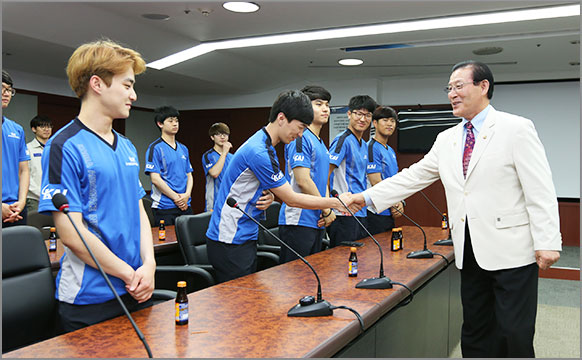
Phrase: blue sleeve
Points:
(392, 165)
(23, 153)
(153, 163)
(207, 165)
(302, 158)
(189, 165)
(70, 180)
(375, 166)
(266, 171)
(336, 156)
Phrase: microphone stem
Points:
(430, 202)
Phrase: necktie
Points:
(469, 144)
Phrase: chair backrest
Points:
(147, 204)
(29, 307)
(191, 236)
(272, 215)
(40, 221)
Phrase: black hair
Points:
(295, 105)
(218, 128)
(6, 78)
(480, 72)
(40, 120)
(382, 112)
(362, 102)
(164, 112)
(315, 92)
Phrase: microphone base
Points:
(421, 254)
(375, 283)
(322, 308)
(444, 242)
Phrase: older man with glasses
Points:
(15, 172)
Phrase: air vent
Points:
(488, 50)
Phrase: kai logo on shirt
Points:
(47, 193)
(13, 135)
(298, 157)
(277, 177)
(371, 166)
(149, 166)
(333, 157)
(131, 162)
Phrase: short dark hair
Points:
(362, 102)
(382, 112)
(164, 112)
(6, 78)
(295, 105)
(218, 128)
(315, 92)
(480, 72)
(40, 120)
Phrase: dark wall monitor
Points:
(418, 129)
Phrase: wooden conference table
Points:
(160, 247)
(247, 317)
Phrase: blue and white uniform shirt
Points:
(381, 159)
(173, 165)
(309, 152)
(209, 159)
(14, 151)
(100, 181)
(350, 155)
(253, 168)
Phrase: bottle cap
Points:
(181, 284)
(444, 214)
(353, 249)
(53, 229)
(162, 221)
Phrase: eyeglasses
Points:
(359, 114)
(45, 126)
(458, 86)
(8, 90)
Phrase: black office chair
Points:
(40, 221)
(29, 307)
(147, 204)
(191, 236)
(266, 242)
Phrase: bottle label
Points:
(353, 268)
(52, 245)
(395, 244)
(181, 312)
(162, 235)
(444, 225)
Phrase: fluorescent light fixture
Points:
(376, 29)
(351, 62)
(240, 6)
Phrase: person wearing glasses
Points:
(42, 127)
(15, 156)
(348, 155)
(215, 160)
(503, 213)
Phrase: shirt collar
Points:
(479, 119)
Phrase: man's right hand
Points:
(226, 146)
(9, 213)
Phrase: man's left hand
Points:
(143, 283)
(546, 258)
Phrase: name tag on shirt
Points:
(37, 155)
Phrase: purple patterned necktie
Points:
(469, 144)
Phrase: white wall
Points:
(22, 109)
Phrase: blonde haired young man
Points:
(98, 170)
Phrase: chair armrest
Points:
(269, 248)
(266, 260)
(163, 295)
(167, 277)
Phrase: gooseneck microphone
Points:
(448, 241)
(381, 282)
(308, 305)
(62, 204)
(425, 253)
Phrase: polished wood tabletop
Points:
(247, 317)
(163, 246)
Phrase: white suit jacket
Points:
(508, 195)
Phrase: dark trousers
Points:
(379, 223)
(23, 213)
(232, 261)
(74, 317)
(499, 308)
(346, 228)
(305, 240)
(169, 215)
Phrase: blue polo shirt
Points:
(310, 152)
(381, 159)
(253, 168)
(14, 151)
(173, 165)
(209, 159)
(350, 155)
(101, 181)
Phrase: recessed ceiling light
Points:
(156, 16)
(240, 6)
(351, 62)
(489, 50)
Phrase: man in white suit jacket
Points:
(503, 213)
